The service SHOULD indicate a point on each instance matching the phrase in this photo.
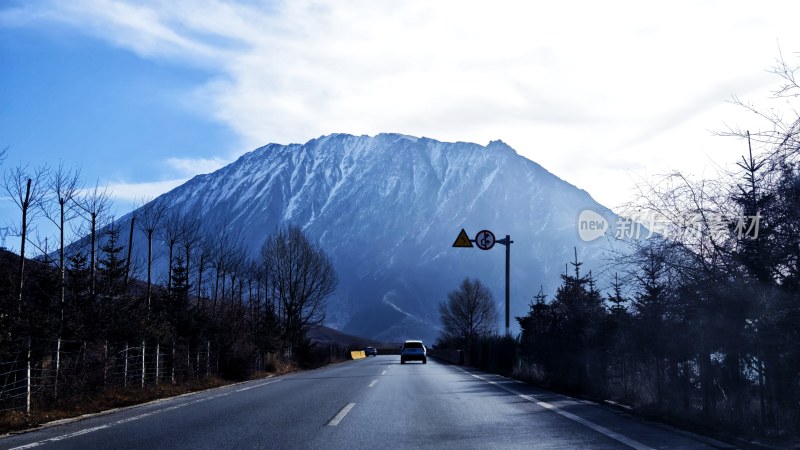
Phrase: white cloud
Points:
(121, 191)
(195, 166)
(591, 90)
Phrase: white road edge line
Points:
(599, 428)
(257, 385)
(31, 445)
(34, 444)
(373, 383)
(131, 419)
(62, 437)
(338, 418)
(383, 373)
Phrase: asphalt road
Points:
(375, 403)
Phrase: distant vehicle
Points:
(413, 351)
(370, 351)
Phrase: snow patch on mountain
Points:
(387, 209)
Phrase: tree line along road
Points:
(369, 403)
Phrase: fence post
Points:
(105, 363)
(58, 366)
(173, 364)
(158, 347)
(125, 374)
(28, 395)
(143, 353)
(189, 370)
(208, 356)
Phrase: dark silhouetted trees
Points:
(83, 331)
(300, 279)
(709, 333)
(468, 313)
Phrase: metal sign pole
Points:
(507, 242)
(485, 241)
(508, 282)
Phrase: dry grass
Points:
(104, 400)
(275, 366)
(111, 398)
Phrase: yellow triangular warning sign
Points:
(462, 240)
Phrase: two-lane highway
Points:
(370, 403)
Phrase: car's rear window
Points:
(413, 345)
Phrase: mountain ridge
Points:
(387, 209)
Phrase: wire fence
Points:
(38, 373)
(42, 371)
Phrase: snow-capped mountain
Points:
(388, 208)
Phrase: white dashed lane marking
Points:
(338, 418)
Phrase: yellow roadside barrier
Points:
(359, 354)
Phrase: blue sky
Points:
(116, 115)
(143, 95)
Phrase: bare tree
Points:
(190, 238)
(57, 205)
(301, 278)
(171, 232)
(93, 205)
(236, 265)
(217, 258)
(469, 312)
(221, 254)
(24, 189)
(781, 138)
(253, 272)
(130, 249)
(691, 216)
(204, 255)
(151, 216)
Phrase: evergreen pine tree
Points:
(111, 263)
